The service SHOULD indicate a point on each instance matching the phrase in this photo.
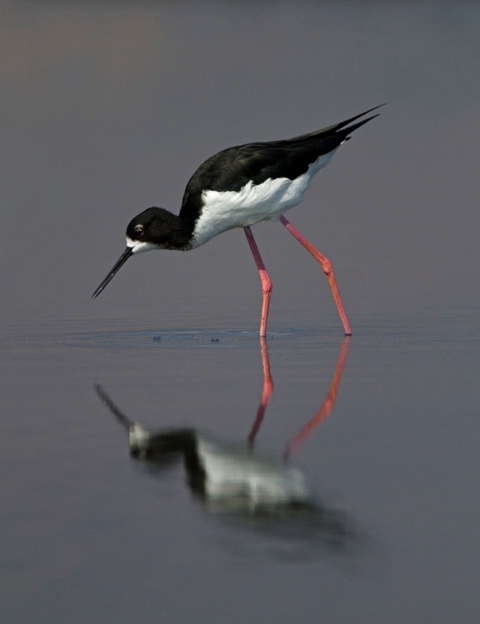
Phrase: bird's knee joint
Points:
(327, 267)
(266, 282)
(267, 288)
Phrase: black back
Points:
(232, 168)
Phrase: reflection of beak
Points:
(120, 262)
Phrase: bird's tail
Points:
(339, 129)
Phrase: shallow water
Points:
(342, 475)
(92, 534)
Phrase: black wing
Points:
(232, 168)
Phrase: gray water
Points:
(108, 108)
(94, 535)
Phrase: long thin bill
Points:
(120, 262)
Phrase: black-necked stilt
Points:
(234, 478)
(239, 187)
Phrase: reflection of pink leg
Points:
(326, 407)
(327, 269)
(266, 392)
(266, 282)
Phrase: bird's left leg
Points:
(327, 269)
(265, 279)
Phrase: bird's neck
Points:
(180, 229)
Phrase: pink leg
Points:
(266, 392)
(326, 407)
(327, 269)
(264, 277)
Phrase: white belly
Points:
(226, 210)
(236, 478)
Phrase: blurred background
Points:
(108, 108)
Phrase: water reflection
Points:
(235, 480)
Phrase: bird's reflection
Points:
(240, 482)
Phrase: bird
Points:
(237, 188)
(228, 477)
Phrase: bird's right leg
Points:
(326, 407)
(265, 279)
(326, 267)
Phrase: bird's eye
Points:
(139, 228)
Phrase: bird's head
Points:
(147, 230)
(154, 228)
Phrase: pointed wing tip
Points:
(347, 121)
(374, 108)
(349, 129)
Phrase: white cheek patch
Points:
(138, 246)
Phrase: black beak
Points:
(120, 262)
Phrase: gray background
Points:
(108, 108)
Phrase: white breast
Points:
(236, 477)
(226, 210)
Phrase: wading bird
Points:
(237, 188)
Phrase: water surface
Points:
(344, 474)
(94, 534)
